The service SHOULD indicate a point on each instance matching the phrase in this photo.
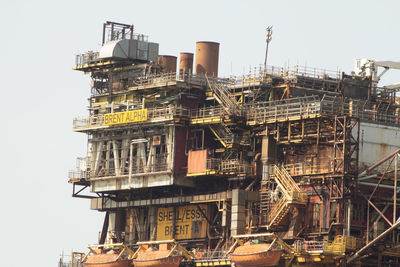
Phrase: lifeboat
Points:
(256, 255)
(107, 260)
(169, 254)
(157, 258)
(110, 255)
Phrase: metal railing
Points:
(257, 74)
(285, 180)
(86, 58)
(229, 166)
(214, 164)
(362, 109)
(236, 167)
(302, 107)
(213, 255)
(77, 174)
(270, 110)
(80, 171)
(342, 243)
(315, 72)
(338, 246)
(284, 109)
(312, 246)
(277, 210)
(329, 105)
(222, 94)
(207, 112)
(153, 115)
(164, 78)
(299, 169)
(290, 192)
(154, 79)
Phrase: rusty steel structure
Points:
(287, 166)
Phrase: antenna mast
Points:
(268, 40)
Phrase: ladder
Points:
(223, 96)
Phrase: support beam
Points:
(104, 230)
(372, 204)
(116, 158)
(379, 162)
(363, 249)
(99, 151)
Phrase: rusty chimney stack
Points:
(168, 63)
(186, 62)
(207, 54)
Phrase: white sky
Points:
(42, 94)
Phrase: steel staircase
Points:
(291, 194)
(223, 134)
(223, 96)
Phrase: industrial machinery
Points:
(297, 165)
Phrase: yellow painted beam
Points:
(207, 172)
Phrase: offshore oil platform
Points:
(289, 166)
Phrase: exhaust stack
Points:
(168, 63)
(207, 54)
(186, 62)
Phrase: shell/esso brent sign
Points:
(189, 222)
(125, 117)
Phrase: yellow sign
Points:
(125, 117)
(189, 222)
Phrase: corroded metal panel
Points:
(197, 162)
(376, 142)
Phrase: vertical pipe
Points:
(202, 139)
(93, 157)
(367, 238)
(174, 224)
(124, 155)
(170, 144)
(112, 31)
(395, 189)
(108, 156)
(151, 159)
(130, 163)
(348, 216)
(131, 27)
